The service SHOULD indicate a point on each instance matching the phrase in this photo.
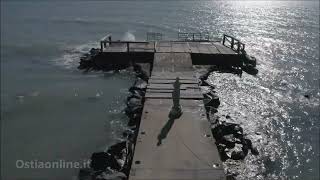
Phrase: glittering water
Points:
(51, 111)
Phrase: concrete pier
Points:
(168, 148)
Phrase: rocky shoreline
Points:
(230, 139)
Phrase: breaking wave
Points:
(71, 55)
(128, 36)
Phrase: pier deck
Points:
(170, 47)
(180, 148)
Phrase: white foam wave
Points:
(71, 56)
(128, 36)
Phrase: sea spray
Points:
(70, 57)
(128, 36)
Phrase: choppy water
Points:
(52, 111)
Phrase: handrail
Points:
(193, 36)
(104, 43)
(153, 36)
(235, 44)
(228, 41)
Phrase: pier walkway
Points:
(169, 47)
(168, 148)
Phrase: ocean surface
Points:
(51, 111)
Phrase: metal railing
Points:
(152, 36)
(109, 43)
(193, 37)
(228, 41)
(233, 43)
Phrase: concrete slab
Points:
(183, 95)
(187, 150)
(171, 81)
(170, 86)
(223, 49)
(172, 62)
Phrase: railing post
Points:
(192, 36)
(101, 46)
(224, 39)
(109, 40)
(127, 46)
(232, 43)
(238, 48)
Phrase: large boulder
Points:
(137, 91)
(134, 107)
(118, 150)
(140, 84)
(211, 100)
(229, 140)
(225, 128)
(100, 161)
(111, 176)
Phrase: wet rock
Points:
(225, 128)
(231, 177)
(214, 119)
(250, 69)
(102, 160)
(133, 111)
(134, 121)
(117, 150)
(204, 77)
(237, 152)
(211, 100)
(94, 51)
(86, 174)
(128, 133)
(228, 140)
(113, 176)
(137, 91)
(140, 83)
(246, 145)
(238, 155)
(205, 83)
(134, 107)
(250, 60)
(254, 151)
(85, 63)
(134, 101)
(136, 97)
(143, 75)
(140, 73)
(213, 110)
(221, 149)
(87, 59)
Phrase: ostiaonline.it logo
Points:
(59, 164)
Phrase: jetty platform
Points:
(203, 51)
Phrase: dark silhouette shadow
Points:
(165, 130)
(174, 113)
